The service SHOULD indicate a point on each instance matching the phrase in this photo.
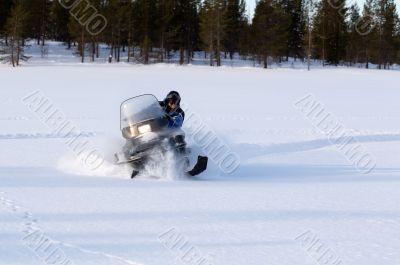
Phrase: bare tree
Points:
(309, 11)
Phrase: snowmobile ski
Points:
(200, 166)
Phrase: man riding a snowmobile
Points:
(147, 125)
(171, 106)
(175, 116)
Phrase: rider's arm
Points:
(176, 121)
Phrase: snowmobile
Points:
(144, 125)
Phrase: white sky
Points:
(251, 4)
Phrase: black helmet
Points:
(173, 95)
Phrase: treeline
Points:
(155, 30)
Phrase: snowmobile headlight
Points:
(132, 131)
(144, 128)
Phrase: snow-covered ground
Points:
(294, 199)
(56, 53)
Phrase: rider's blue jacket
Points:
(177, 115)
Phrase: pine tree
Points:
(212, 28)
(354, 43)
(78, 34)
(166, 13)
(296, 29)
(121, 26)
(368, 30)
(95, 39)
(330, 30)
(309, 9)
(235, 19)
(59, 19)
(130, 26)
(269, 30)
(207, 29)
(185, 26)
(319, 32)
(38, 20)
(387, 23)
(244, 45)
(5, 8)
(146, 26)
(78, 31)
(14, 29)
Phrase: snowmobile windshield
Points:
(139, 109)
